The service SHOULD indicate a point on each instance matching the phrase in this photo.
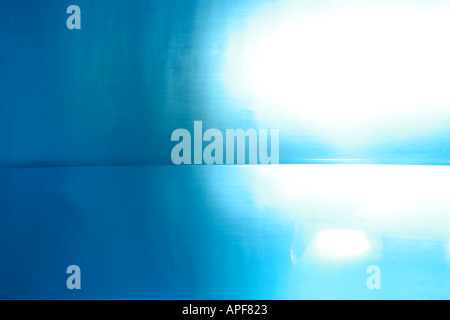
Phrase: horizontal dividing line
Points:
(307, 162)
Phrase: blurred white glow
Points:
(336, 66)
(400, 200)
(342, 243)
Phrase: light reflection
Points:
(396, 200)
(342, 243)
(356, 68)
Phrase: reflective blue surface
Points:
(225, 232)
(358, 91)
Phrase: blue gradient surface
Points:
(358, 93)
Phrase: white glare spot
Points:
(342, 243)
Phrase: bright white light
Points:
(342, 243)
(400, 200)
(344, 67)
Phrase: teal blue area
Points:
(86, 176)
(198, 232)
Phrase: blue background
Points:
(86, 176)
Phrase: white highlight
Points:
(344, 67)
(400, 200)
(342, 243)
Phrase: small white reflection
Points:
(342, 243)
(293, 257)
